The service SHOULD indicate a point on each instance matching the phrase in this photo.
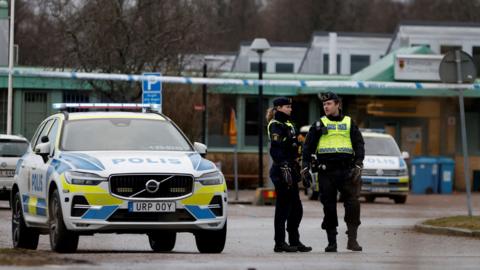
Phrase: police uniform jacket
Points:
(313, 138)
(283, 139)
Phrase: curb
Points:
(239, 202)
(447, 230)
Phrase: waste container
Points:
(446, 168)
(424, 175)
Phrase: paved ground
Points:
(386, 235)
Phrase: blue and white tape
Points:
(241, 82)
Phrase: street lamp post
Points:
(260, 45)
(10, 69)
(205, 112)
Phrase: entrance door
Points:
(34, 111)
(412, 140)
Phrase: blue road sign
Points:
(152, 90)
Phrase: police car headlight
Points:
(82, 178)
(213, 178)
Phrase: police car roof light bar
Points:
(122, 106)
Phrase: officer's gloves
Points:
(356, 172)
(286, 174)
(307, 177)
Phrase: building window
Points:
(219, 113)
(283, 67)
(476, 59)
(447, 48)
(251, 121)
(358, 62)
(326, 63)
(254, 66)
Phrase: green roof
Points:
(32, 82)
(383, 69)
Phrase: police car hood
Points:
(383, 162)
(115, 162)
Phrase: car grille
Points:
(135, 186)
(375, 172)
(122, 215)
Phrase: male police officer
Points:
(338, 147)
(285, 174)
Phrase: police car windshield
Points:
(12, 148)
(122, 134)
(378, 146)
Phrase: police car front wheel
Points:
(61, 239)
(22, 236)
(162, 241)
(211, 241)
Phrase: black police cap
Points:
(281, 101)
(328, 96)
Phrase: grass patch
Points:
(463, 222)
(25, 257)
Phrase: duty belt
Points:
(329, 166)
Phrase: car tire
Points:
(369, 198)
(162, 241)
(400, 199)
(61, 239)
(211, 241)
(22, 236)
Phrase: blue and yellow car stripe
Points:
(34, 206)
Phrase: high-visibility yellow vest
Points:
(288, 123)
(337, 140)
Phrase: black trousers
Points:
(338, 180)
(288, 207)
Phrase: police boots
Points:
(332, 241)
(352, 239)
(284, 247)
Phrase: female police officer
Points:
(285, 174)
(338, 146)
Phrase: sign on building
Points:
(417, 67)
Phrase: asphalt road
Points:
(386, 235)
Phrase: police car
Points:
(12, 147)
(385, 173)
(116, 172)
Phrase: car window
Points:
(122, 134)
(52, 134)
(12, 148)
(37, 133)
(381, 146)
(44, 132)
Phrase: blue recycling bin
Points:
(446, 170)
(424, 175)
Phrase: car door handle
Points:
(33, 168)
(23, 166)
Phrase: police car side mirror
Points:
(405, 155)
(200, 148)
(43, 150)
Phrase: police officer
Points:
(338, 152)
(285, 174)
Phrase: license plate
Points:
(7, 173)
(380, 190)
(159, 207)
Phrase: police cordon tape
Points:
(242, 82)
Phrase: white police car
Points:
(116, 172)
(385, 173)
(12, 147)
